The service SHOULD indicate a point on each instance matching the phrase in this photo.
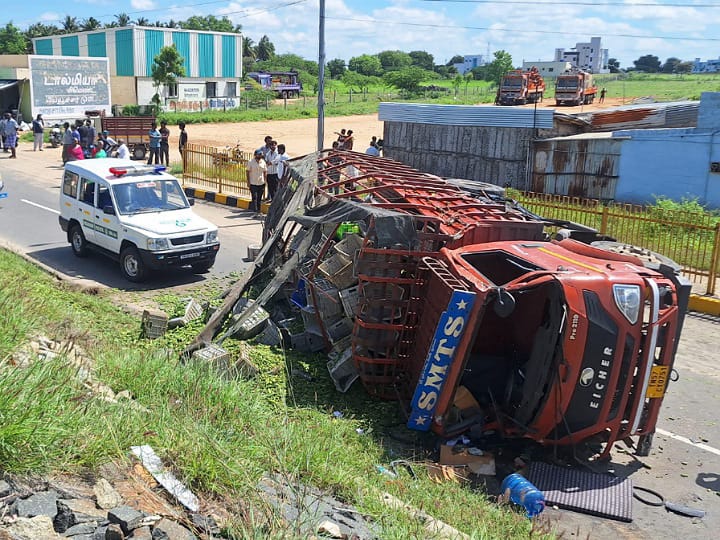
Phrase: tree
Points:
(457, 81)
(407, 79)
(443, 71)
(210, 23)
(265, 49)
(366, 64)
(457, 59)
(70, 24)
(648, 63)
(613, 65)
(394, 60)
(482, 73)
(248, 47)
(422, 60)
(166, 68)
(142, 21)
(122, 19)
(90, 23)
(500, 66)
(286, 62)
(670, 65)
(358, 82)
(12, 41)
(40, 30)
(684, 67)
(336, 68)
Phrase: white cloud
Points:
(49, 16)
(142, 5)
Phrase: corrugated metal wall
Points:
(96, 45)
(576, 167)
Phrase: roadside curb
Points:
(708, 305)
(220, 198)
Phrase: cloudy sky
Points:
(528, 30)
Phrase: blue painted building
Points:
(213, 63)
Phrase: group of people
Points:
(265, 169)
(375, 146)
(81, 141)
(345, 140)
(9, 131)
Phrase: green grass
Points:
(219, 434)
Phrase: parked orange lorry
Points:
(575, 87)
(520, 87)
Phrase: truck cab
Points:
(558, 342)
(137, 214)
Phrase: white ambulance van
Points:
(137, 214)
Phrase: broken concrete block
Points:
(114, 532)
(43, 503)
(36, 527)
(142, 533)
(128, 518)
(81, 528)
(105, 495)
(154, 323)
(84, 509)
(166, 529)
(205, 524)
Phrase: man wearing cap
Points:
(256, 177)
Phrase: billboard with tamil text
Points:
(68, 86)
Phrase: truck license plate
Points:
(658, 381)
(189, 255)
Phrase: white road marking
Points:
(680, 438)
(40, 206)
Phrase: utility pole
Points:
(321, 79)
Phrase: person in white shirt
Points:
(282, 157)
(271, 159)
(122, 151)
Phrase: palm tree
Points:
(171, 24)
(265, 49)
(70, 24)
(122, 19)
(142, 21)
(248, 47)
(90, 24)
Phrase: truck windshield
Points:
(149, 195)
(512, 82)
(514, 358)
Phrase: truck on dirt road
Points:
(462, 306)
(285, 84)
(519, 87)
(575, 87)
(134, 130)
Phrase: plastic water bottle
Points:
(520, 491)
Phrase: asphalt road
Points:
(29, 221)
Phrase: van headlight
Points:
(212, 237)
(156, 244)
(627, 299)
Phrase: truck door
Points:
(106, 225)
(86, 208)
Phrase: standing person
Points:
(10, 132)
(100, 150)
(154, 144)
(602, 95)
(182, 142)
(281, 165)
(164, 143)
(264, 148)
(2, 133)
(122, 151)
(341, 139)
(76, 152)
(349, 140)
(91, 133)
(271, 160)
(67, 142)
(82, 132)
(38, 127)
(256, 176)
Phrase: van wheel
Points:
(78, 242)
(131, 265)
(202, 267)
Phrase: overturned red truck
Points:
(466, 311)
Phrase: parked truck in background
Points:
(134, 130)
(519, 87)
(285, 84)
(462, 307)
(575, 87)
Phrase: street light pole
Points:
(321, 79)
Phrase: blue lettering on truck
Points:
(448, 334)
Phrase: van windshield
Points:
(149, 195)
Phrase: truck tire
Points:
(139, 152)
(78, 242)
(131, 265)
(650, 259)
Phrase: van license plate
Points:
(189, 255)
(658, 381)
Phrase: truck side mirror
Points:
(504, 304)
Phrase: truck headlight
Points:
(156, 244)
(627, 299)
(212, 237)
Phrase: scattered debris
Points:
(152, 462)
(434, 527)
(154, 323)
(105, 495)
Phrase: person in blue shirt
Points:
(155, 138)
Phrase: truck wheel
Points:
(78, 242)
(131, 265)
(138, 152)
(649, 258)
(202, 267)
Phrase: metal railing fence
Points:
(221, 170)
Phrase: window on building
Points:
(211, 89)
(173, 90)
(231, 89)
(550, 70)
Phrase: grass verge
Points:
(220, 435)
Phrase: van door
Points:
(86, 208)
(106, 226)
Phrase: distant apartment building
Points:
(548, 69)
(470, 62)
(586, 56)
(706, 66)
